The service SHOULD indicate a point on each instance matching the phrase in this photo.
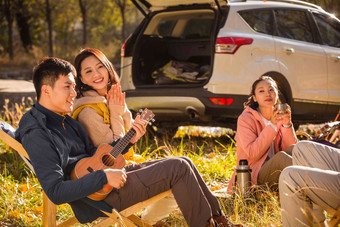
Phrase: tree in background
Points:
(22, 17)
(331, 6)
(61, 28)
(8, 12)
(122, 8)
(83, 4)
(50, 26)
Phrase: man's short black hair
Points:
(47, 72)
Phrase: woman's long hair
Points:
(251, 103)
(80, 86)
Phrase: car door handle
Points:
(290, 50)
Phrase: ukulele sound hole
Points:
(108, 160)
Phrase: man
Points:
(55, 143)
(313, 180)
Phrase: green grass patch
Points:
(214, 156)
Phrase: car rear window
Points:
(258, 20)
(164, 28)
(194, 28)
(197, 28)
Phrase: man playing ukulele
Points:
(55, 143)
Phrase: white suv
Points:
(193, 62)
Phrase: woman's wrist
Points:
(289, 125)
(119, 109)
(273, 126)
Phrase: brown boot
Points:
(223, 221)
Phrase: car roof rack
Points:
(288, 1)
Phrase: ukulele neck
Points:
(122, 143)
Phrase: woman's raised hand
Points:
(115, 96)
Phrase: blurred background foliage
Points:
(32, 29)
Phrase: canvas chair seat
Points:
(126, 217)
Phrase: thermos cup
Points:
(243, 177)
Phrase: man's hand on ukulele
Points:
(116, 177)
(139, 125)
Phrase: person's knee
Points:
(300, 147)
(285, 175)
(286, 179)
(188, 160)
(292, 177)
(300, 151)
(178, 164)
(285, 159)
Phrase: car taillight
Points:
(122, 51)
(221, 101)
(229, 45)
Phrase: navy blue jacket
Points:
(55, 144)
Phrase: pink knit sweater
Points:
(253, 140)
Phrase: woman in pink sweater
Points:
(100, 107)
(264, 136)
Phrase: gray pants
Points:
(270, 171)
(145, 180)
(314, 179)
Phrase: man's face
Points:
(60, 98)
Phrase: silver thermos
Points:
(243, 177)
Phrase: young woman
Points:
(264, 135)
(100, 107)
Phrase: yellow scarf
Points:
(103, 111)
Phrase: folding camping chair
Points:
(124, 218)
(335, 219)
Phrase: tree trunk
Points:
(82, 5)
(122, 7)
(23, 17)
(122, 12)
(9, 18)
(50, 29)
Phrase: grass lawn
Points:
(212, 150)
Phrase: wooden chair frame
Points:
(124, 218)
(335, 219)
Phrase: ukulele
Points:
(107, 157)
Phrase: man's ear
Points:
(46, 90)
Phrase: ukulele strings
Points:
(118, 148)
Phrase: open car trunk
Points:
(175, 48)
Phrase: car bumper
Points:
(186, 106)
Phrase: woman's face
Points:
(266, 94)
(94, 74)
